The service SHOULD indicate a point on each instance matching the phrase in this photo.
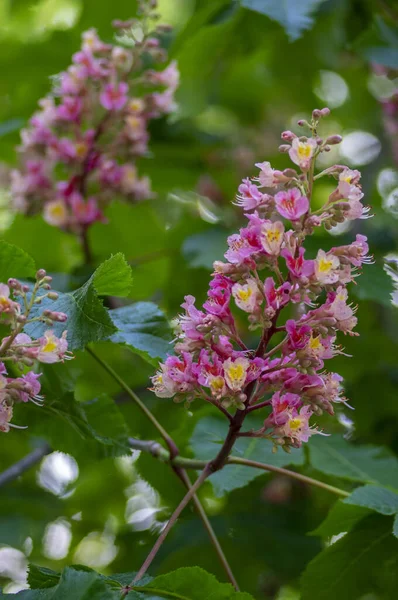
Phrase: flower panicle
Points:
(266, 272)
(17, 300)
(80, 148)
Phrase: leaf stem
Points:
(235, 460)
(188, 496)
(157, 450)
(163, 433)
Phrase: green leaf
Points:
(341, 518)
(41, 577)
(355, 564)
(85, 584)
(14, 262)
(192, 583)
(88, 320)
(202, 249)
(96, 428)
(376, 285)
(113, 277)
(367, 464)
(206, 442)
(376, 498)
(295, 17)
(144, 329)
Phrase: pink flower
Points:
(235, 372)
(114, 96)
(297, 427)
(276, 298)
(298, 267)
(70, 109)
(291, 204)
(84, 212)
(281, 405)
(247, 295)
(52, 349)
(56, 213)
(249, 196)
(302, 151)
(326, 267)
(272, 237)
(299, 335)
(266, 175)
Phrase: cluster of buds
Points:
(19, 349)
(285, 377)
(79, 151)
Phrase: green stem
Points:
(156, 547)
(193, 463)
(157, 450)
(210, 531)
(235, 460)
(170, 443)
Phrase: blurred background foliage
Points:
(248, 71)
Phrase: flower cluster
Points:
(80, 149)
(286, 376)
(19, 349)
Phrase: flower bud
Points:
(334, 139)
(316, 114)
(284, 148)
(40, 274)
(326, 148)
(325, 112)
(52, 296)
(288, 136)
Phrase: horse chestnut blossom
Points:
(19, 349)
(297, 304)
(79, 151)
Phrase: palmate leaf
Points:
(88, 320)
(81, 583)
(295, 17)
(206, 442)
(144, 329)
(191, 583)
(363, 561)
(14, 262)
(366, 464)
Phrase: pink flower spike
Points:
(114, 96)
(291, 204)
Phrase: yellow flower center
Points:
(304, 150)
(314, 343)
(295, 423)
(236, 372)
(133, 122)
(245, 294)
(81, 149)
(217, 384)
(58, 210)
(4, 302)
(325, 265)
(50, 346)
(273, 235)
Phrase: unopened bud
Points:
(326, 148)
(284, 148)
(319, 141)
(289, 173)
(46, 286)
(13, 283)
(25, 288)
(52, 295)
(21, 319)
(316, 114)
(47, 279)
(334, 139)
(288, 136)
(40, 274)
(325, 112)
(59, 316)
(38, 301)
